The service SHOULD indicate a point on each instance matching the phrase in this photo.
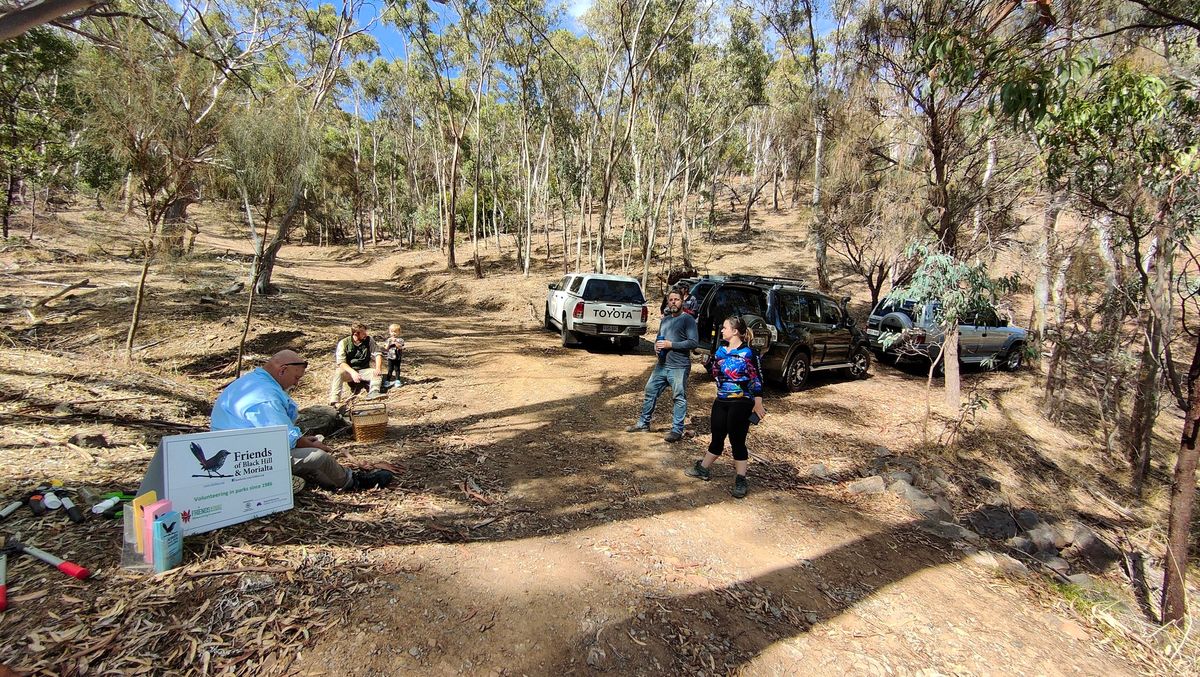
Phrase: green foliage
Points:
(955, 287)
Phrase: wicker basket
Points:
(370, 422)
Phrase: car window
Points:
(563, 284)
(615, 291)
(737, 301)
(830, 313)
(798, 308)
(987, 318)
(888, 306)
(701, 289)
(575, 284)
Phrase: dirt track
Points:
(584, 548)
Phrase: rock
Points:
(881, 452)
(811, 618)
(900, 487)
(1000, 563)
(1011, 566)
(993, 522)
(870, 485)
(1092, 552)
(415, 652)
(595, 657)
(63, 409)
(1028, 519)
(898, 476)
(1054, 562)
(1082, 581)
(949, 531)
(818, 470)
(1045, 538)
(320, 419)
(89, 441)
(253, 582)
(987, 483)
(1074, 631)
(925, 506)
(1021, 543)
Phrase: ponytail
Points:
(742, 329)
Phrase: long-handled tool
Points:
(14, 547)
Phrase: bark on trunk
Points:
(1183, 491)
(817, 230)
(953, 378)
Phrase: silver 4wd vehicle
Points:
(911, 331)
(612, 307)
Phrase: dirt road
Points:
(587, 548)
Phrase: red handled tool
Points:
(14, 547)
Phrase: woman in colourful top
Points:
(739, 395)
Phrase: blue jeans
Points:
(660, 378)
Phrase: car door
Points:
(556, 298)
(836, 336)
(991, 335)
(970, 341)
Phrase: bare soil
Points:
(526, 533)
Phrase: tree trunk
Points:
(1183, 491)
(817, 230)
(950, 366)
(173, 228)
(136, 318)
(452, 207)
(1145, 410)
(10, 196)
(1044, 256)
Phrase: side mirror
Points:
(553, 286)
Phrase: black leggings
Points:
(731, 418)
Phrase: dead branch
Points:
(47, 299)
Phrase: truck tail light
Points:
(645, 314)
(578, 312)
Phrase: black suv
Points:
(796, 330)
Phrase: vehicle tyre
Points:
(761, 331)
(884, 357)
(1014, 359)
(860, 362)
(569, 338)
(549, 322)
(795, 375)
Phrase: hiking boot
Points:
(700, 471)
(673, 436)
(740, 486)
(639, 428)
(374, 395)
(374, 479)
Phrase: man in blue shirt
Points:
(677, 336)
(259, 399)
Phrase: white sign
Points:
(223, 477)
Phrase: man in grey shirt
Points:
(677, 336)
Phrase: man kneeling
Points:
(259, 399)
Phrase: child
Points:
(394, 351)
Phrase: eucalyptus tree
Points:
(454, 52)
(34, 72)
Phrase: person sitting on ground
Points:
(394, 350)
(259, 399)
(352, 363)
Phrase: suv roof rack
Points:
(766, 279)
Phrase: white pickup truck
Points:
(611, 307)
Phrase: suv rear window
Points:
(615, 291)
(887, 306)
(737, 301)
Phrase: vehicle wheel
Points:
(549, 322)
(569, 337)
(860, 362)
(795, 375)
(1014, 358)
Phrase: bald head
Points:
(286, 367)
